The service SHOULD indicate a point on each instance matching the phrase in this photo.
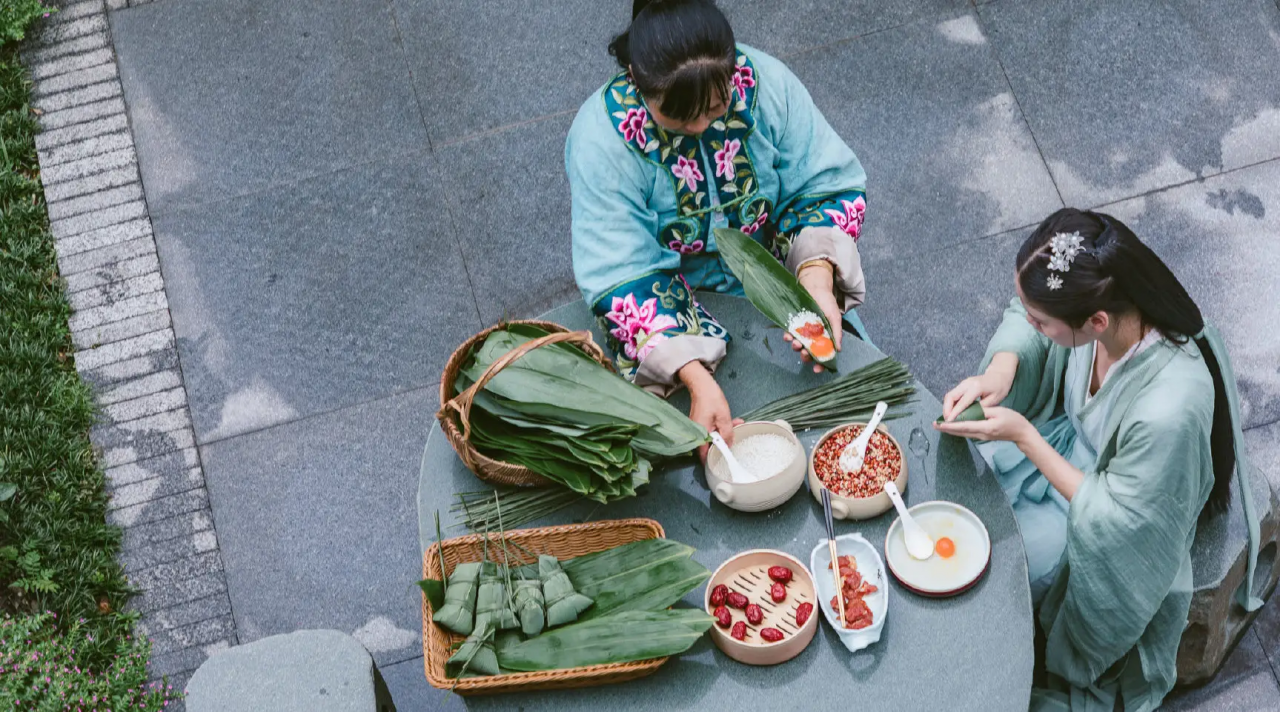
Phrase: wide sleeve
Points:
(822, 186)
(633, 286)
(1035, 385)
(1129, 528)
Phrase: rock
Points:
(304, 671)
(1215, 623)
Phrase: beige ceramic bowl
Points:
(748, 573)
(765, 494)
(856, 507)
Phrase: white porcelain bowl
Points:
(871, 567)
(765, 494)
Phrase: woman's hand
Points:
(990, 389)
(818, 279)
(707, 404)
(1001, 424)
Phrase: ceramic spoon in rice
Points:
(737, 472)
(919, 543)
(853, 455)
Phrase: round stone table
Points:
(970, 652)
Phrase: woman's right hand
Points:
(707, 405)
(990, 389)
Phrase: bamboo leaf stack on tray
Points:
(559, 413)
(608, 607)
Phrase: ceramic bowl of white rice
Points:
(776, 464)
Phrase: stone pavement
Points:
(276, 221)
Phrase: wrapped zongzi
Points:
(529, 606)
(476, 656)
(492, 602)
(458, 612)
(562, 601)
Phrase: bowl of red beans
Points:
(857, 495)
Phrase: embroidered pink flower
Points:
(743, 77)
(725, 156)
(632, 127)
(691, 248)
(687, 171)
(756, 224)
(851, 219)
(639, 326)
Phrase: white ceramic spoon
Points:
(737, 472)
(919, 543)
(855, 453)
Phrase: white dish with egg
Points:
(775, 458)
(940, 575)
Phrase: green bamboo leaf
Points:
(768, 284)
(434, 589)
(624, 636)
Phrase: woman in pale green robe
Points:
(1113, 425)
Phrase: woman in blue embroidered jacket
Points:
(697, 132)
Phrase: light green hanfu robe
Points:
(1117, 604)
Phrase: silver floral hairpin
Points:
(1065, 247)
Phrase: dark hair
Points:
(1118, 274)
(680, 53)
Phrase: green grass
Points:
(57, 551)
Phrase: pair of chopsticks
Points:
(831, 543)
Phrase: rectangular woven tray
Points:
(562, 542)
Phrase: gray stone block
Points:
(147, 446)
(88, 166)
(88, 112)
(141, 536)
(405, 683)
(96, 201)
(191, 501)
(106, 257)
(171, 550)
(174, 573)
(70, 47)
(158, 488)
(785, 29)
(148, 405)
(306, 671)
(197, 634)
(110, 374)
(87, 148)
(91, 359)
(58, 32)
(113, 435)
(74, 80)
(119, 311)
(104, 237)
(72, 63)
(98, 219)
(120, 271)
(211, 100)
(147, 385)
(185, 614)
(140, 325)
(184, 660)
(75, 10)
(113, 123)
(78, 97)
(117, 4)
(89, 184)
(184, 591)
(113, 293)
(167, 465)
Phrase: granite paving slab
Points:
(1220, 238)
(783, 29)
(947, 154)
(316, 295)
(1126, 97)
(407, 683)
(317, 526)
(494, 63)
(511, 195)
(229, 97)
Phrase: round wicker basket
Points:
(455, 408)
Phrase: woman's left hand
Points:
(1001, 424)
(820, 283)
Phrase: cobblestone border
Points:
(124, 339)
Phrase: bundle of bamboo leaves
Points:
(601, 608)
(559, 413)
(849, 398)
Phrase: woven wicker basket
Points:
(455, 408)
(562, 542)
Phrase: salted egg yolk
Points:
(945, 548)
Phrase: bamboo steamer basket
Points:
(455, 408)
(562, 542)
